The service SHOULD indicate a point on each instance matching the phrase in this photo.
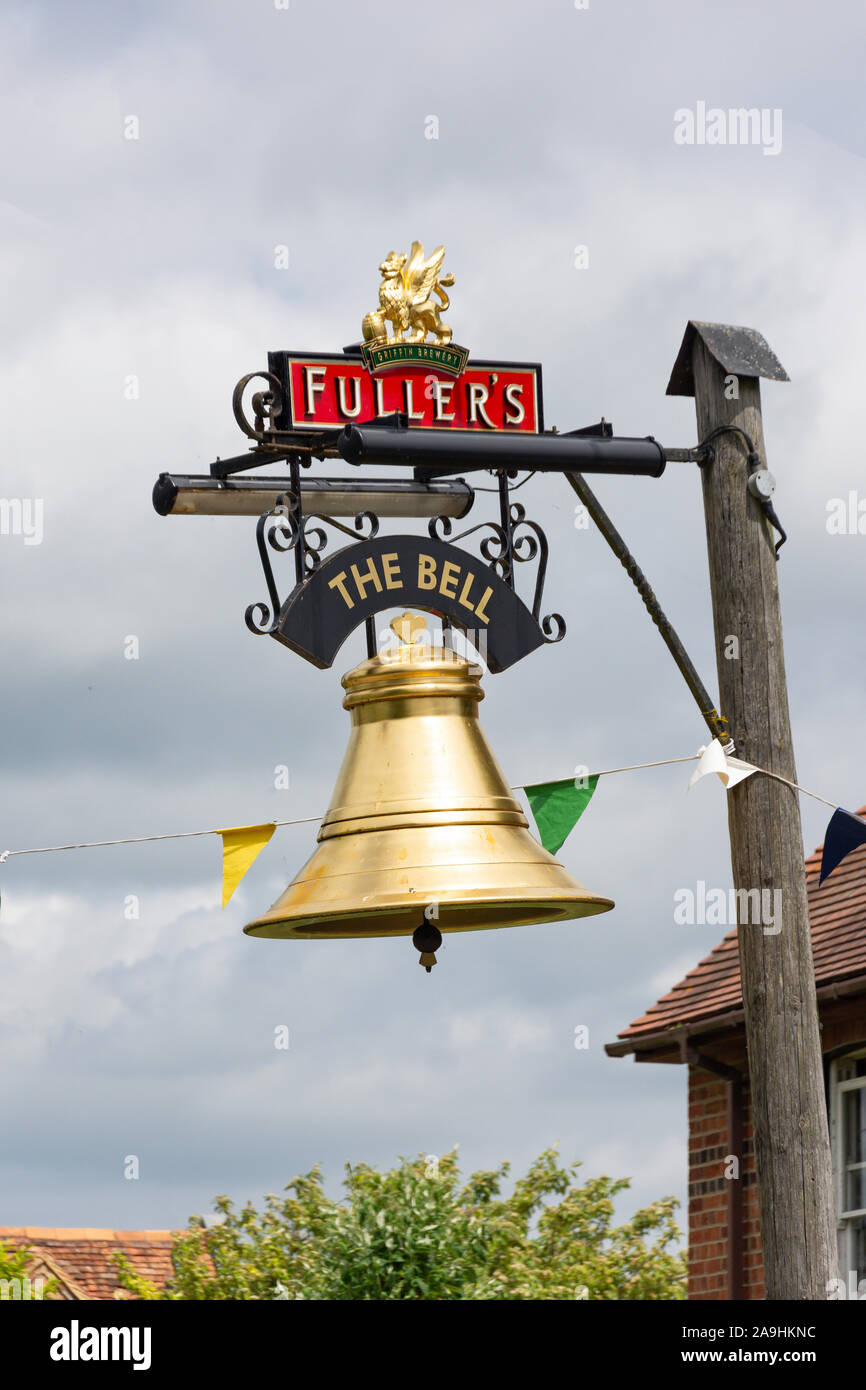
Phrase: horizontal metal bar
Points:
(192, 495)
(435, 453)
(682, 455)
(254, 458)
(277, 449)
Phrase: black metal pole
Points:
(434, 453)
(715, 722)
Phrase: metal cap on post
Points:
(741, 351)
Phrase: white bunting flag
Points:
(730, 771)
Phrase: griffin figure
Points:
(406, 302)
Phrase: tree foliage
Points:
(14, 1265)
(415, 1232)
(14, 1261)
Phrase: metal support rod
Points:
(715, 722)
(505, 521)
(297, 509)
(223, 468)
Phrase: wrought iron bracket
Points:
(505, 548)
(286, 527)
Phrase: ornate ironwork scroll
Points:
(286, 528)
(506, 548)
(266, 405)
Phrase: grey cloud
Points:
(155, 259)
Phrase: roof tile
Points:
(83, 1255)
(837, 914)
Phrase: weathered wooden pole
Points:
(721, 366)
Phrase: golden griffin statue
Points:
(406, 300)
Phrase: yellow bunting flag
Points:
(241, 845)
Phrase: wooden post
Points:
(792, 1151)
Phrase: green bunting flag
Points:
(557, 807)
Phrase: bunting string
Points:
(302, 820)
(308, 820)
(142, 839)
(556, 808)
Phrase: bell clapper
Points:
(427, 939)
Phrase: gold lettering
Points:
(426, 572)
(337, 583)
(440, 400)
(448, 583)
(371, 577)
(514, 389)
(314, 385)
(464, 593)
(380, 397)
(479, 612)
(408, 403)
(350, 412)
(391, 571)
(478, 394)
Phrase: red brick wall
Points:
(843, 1024)
(708, 1192)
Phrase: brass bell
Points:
(423, 835)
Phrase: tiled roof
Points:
(837, 913)
(80, 1259)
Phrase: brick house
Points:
(699, 1025)
(79, 1260)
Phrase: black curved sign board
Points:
(393, 571)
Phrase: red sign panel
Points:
(325, 392)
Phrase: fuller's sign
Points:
(322, 391)
(407, 362)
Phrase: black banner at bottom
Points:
(92, 1341)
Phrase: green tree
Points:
(14, 1262)
(415, 1232)
(13, 1266)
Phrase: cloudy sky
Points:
(262, 126)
